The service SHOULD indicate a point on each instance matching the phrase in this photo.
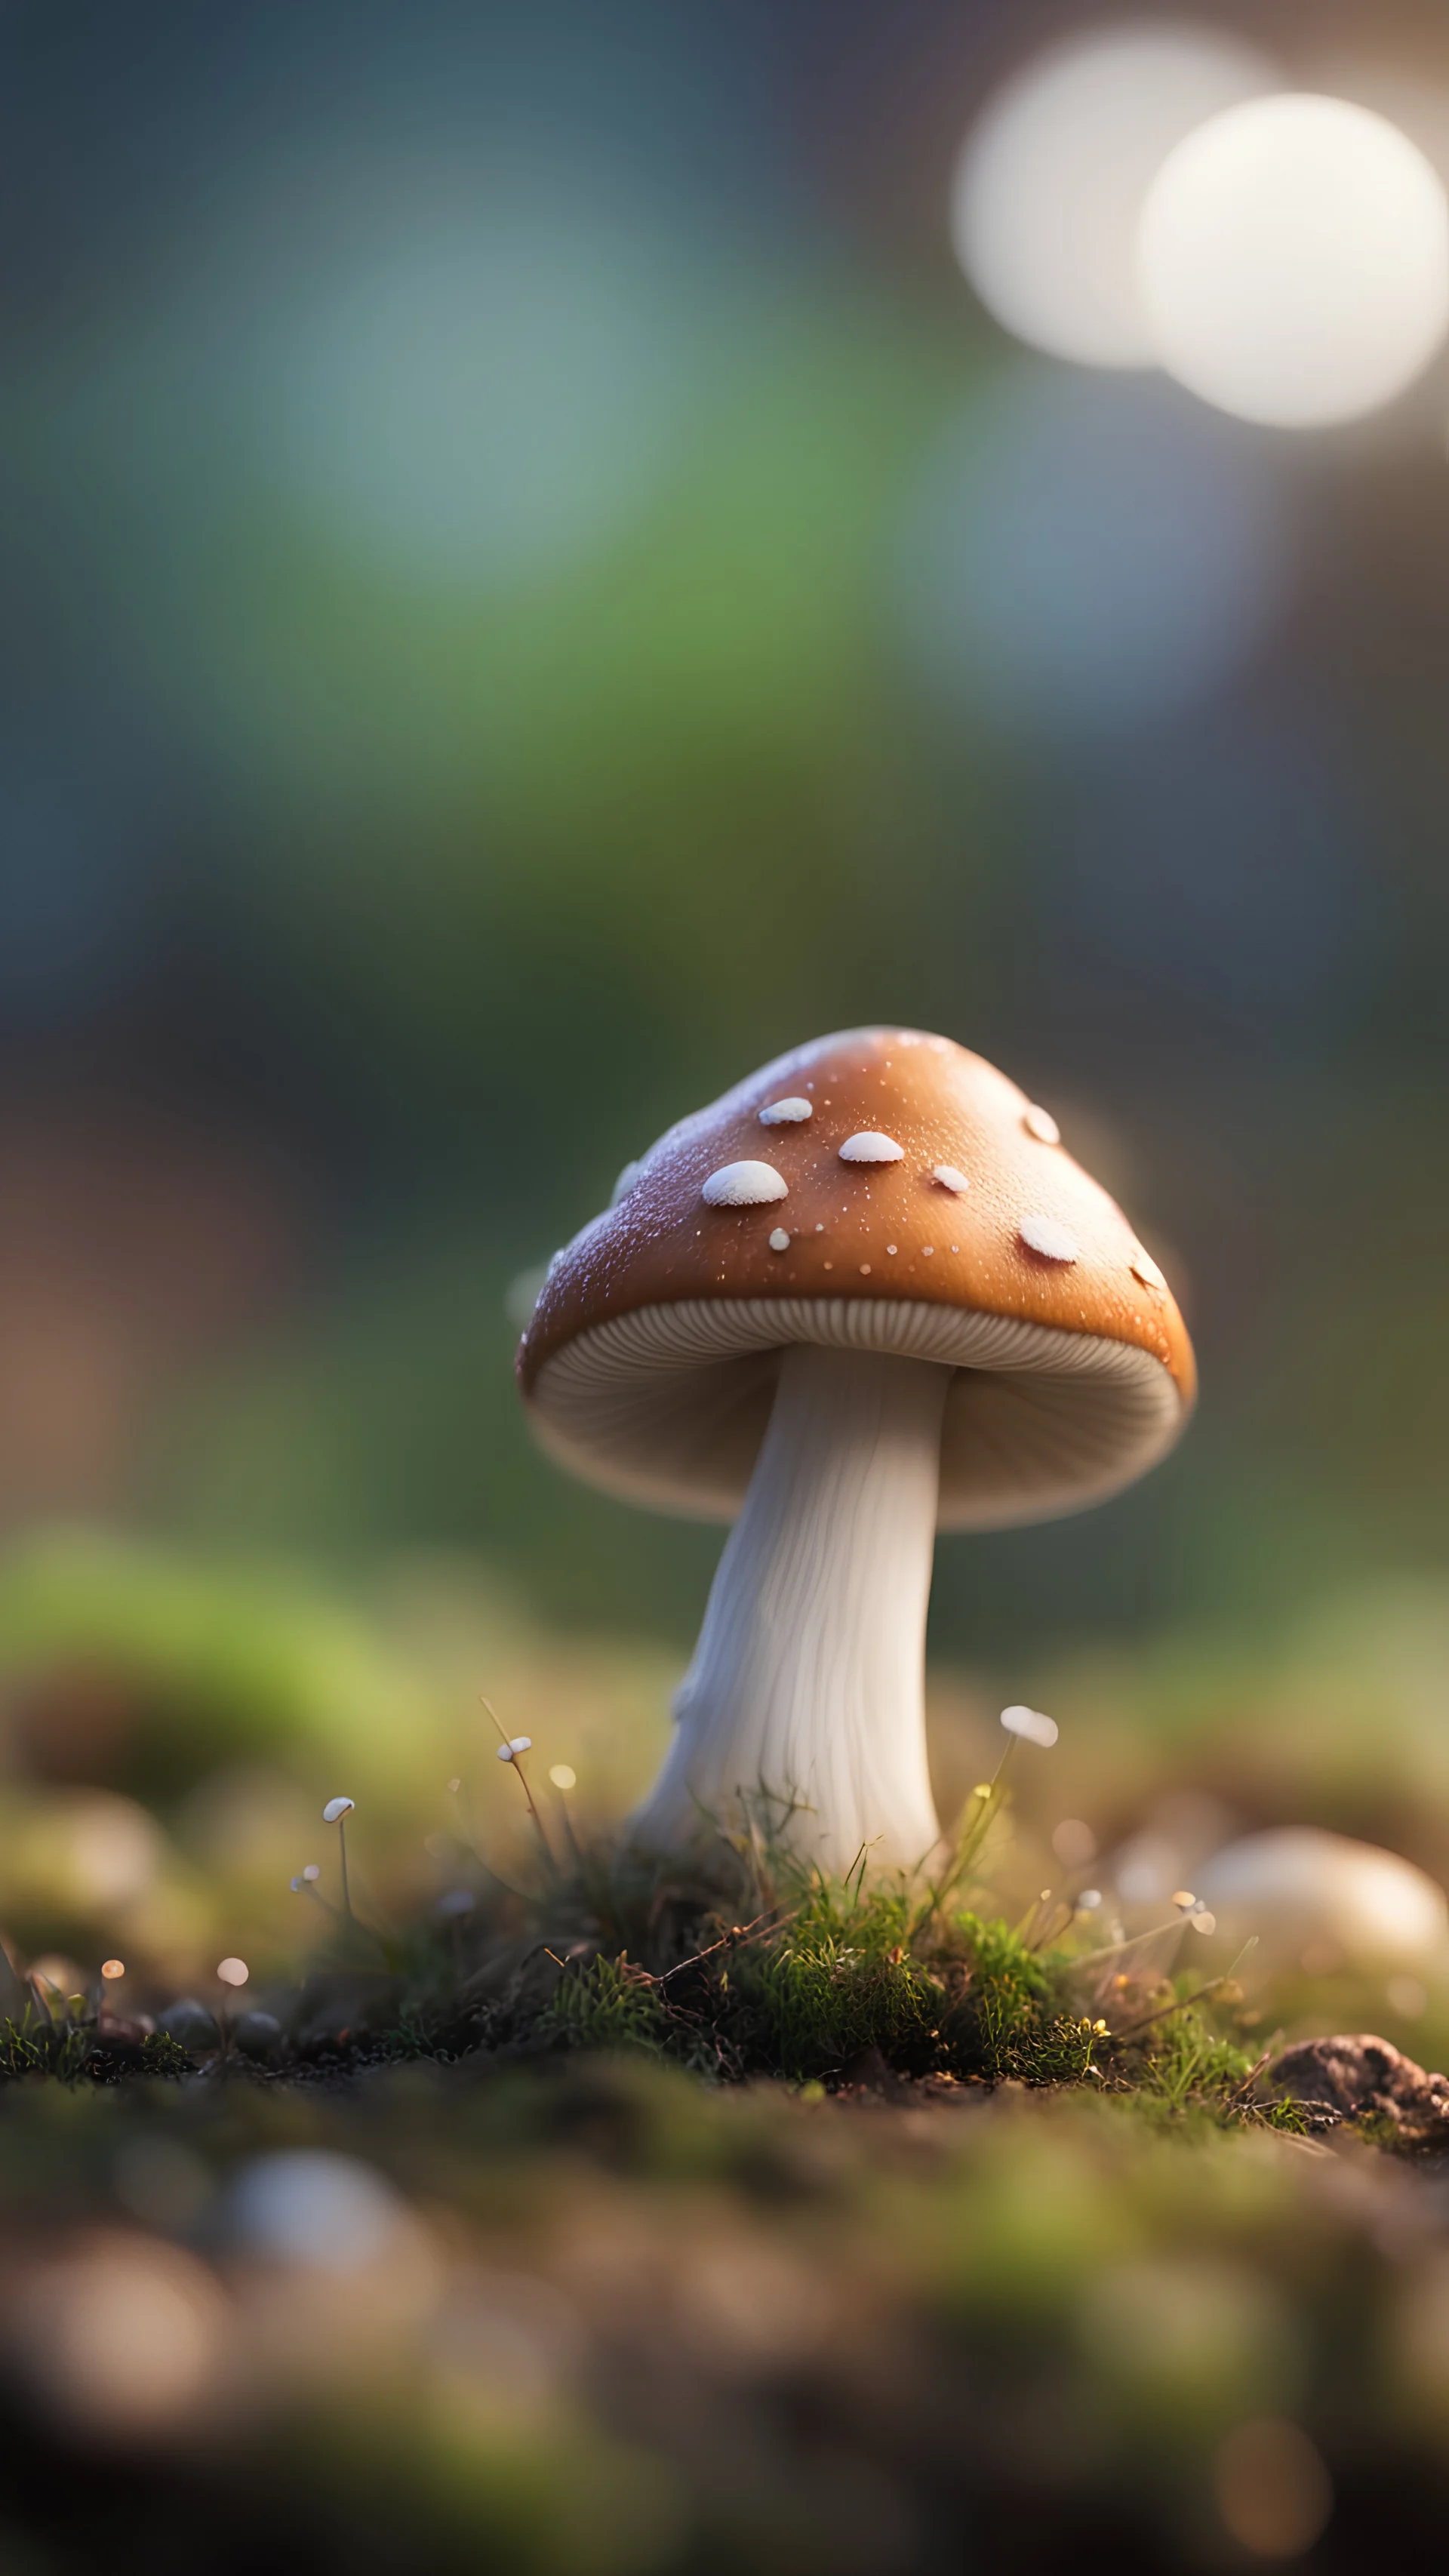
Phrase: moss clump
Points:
(607, 2003)
(834, 1983)
(82, 2049)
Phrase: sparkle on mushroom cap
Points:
(869, 1147)
(1031, 1723)
(779, 1240)
(1143, 1267)
(787, 1113)
(744, 1185)
(515, 1744)
(336, 1808)
(1041, 1124)
(950, 1178)
(1042, 1234)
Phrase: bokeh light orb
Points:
(1294, 260)
(1051, 179)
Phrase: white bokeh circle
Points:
(1293, 255)
(1051, 179)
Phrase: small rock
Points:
(189, 2023)
(256, 2033)
(1363, 2077)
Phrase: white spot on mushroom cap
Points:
(1041, 1124)
(744, 1185)
(950, 1178)
(1042, 1234)
(1030, 1723)
(787, 1113)
(1143, 1267)
(779, 1240)
(870, 1147)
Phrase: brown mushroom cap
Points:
(650, 1362)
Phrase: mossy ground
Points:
(759, 1969)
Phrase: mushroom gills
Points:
(803, 1709)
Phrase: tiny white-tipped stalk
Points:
(336, 1812)
(510, 1749)
(802, 1716)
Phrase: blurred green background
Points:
(531, 584)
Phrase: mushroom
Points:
(1321, 1901)
(952, 1335)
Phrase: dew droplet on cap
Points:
(744, 1185)
(787, 1113)
(927, 1250)
(871, 1147)
(1041, 1124)
(1143, 1267)
(892, 1247)
(950, 1178)
(1043, 1235)
(779, 1240)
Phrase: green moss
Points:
(606, 2004)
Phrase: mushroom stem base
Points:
(802, 1714)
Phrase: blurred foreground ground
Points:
(589, 2317)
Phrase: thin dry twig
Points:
(731, 1940)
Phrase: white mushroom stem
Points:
(803, 1710)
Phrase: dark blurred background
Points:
(529, 584)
